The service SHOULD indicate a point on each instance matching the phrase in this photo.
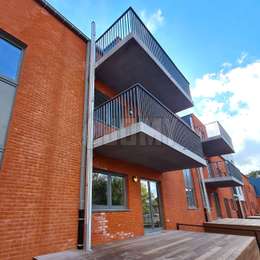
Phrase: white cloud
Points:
(226, 65)
(242, 58)
(232, 97)
(154, 20)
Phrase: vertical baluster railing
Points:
(128, 23)
(137, 104)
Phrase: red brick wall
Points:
(39, 179)
(108, 226)
(250, 197)
(175, 201)
(223, 193)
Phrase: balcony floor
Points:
(216, 146)
(130, 62)
(143, 145)
(170, 245)
(222, 182)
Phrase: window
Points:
(10, 60)
(190, 193)
(109, 191)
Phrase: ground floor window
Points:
(189, 188)
(109, 190)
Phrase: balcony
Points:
(215, 140)
(223, 174)
(128, 53)
(136, 127)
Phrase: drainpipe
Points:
(83, 154)
(87, 146)
(205, 194)
(90, 137)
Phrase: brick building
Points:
(150, 166)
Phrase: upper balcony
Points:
(223, 174)
(215, 139)
(128, 53)
(136, 127)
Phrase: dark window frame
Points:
(18, 44)
(109, 206)
(190, 191)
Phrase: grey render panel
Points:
(130, 63)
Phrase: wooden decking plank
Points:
(166, 246)
(178, 245)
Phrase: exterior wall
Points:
(39, 178)
(175, 201)
(251, 203)
(117, 225)
(223, 193)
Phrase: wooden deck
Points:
(171, 245)
(236, 226)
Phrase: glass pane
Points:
(146, 204)
(7, 94)
(99, 189)
(189, 188)
(117, 188)
(10, 57)
(155, 204)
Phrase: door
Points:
(151, 205)
(217, 204)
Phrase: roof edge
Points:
(45, 4)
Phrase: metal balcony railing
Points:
(214, 129)
(224, 168)
(135, 105)
(129, 23)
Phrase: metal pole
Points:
(207, 206)
(89, 155)
(83, 154)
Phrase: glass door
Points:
(151, 205)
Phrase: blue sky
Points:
(198, 35)
(216, 44)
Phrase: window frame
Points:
(22, 46)
(18, 44)
(190, 190)
(109, 206)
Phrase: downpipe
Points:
(85, 207)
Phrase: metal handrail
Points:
(218, 131)
(136, 104)
(224, 168)
(129, 23)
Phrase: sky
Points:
(216, 44)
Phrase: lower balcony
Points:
(223, 174)
(136, 127)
